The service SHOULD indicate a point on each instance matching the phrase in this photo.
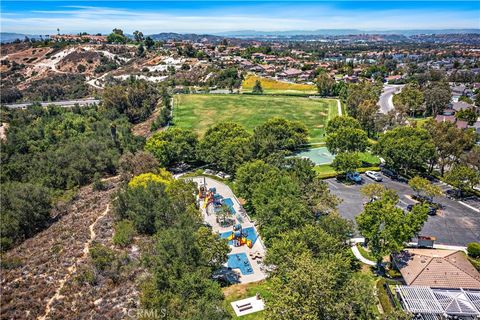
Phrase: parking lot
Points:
(455, 224)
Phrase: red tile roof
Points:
(437, 268)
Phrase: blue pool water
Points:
(229, 203)
(240, 261)
(250, 231)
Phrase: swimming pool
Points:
(240, 261)
(250, 231)
(229, 203)
(319, 155)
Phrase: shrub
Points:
(98, 184)
(86, 275)
(10, 262)
(383, 296)
(124, 232)
(102, 256)
(473, 249)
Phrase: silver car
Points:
(374, 175)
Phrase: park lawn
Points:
(201, 111)
(420, 121)
(325, 171)
(272, 86)
(243, 291)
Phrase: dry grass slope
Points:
(274, 86)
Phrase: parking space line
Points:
(331, 183)
(469, 206)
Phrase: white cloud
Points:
(104, 19)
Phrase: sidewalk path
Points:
(359, 256)
(339, 106)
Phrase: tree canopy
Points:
(225, 145)
(386, 227)
(406, 148)
(173, 146)
(278, 134)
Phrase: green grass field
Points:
(243, 291)
(200, 111)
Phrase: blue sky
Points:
(44, 17)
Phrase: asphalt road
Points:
(456, 224)
(66, 104)
(385, 100)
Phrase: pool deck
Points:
(209, 217)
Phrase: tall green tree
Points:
(437, 97)
(450, 143)
(423, 187)
(346, 162)
(366, 115)
(358, 93)
(340, 122)
(325, 85)
(226, 145)
(25, 211)
(138, 36)
(319, 289)
(347, 140)
(117, 36)
(410, 100)
(404, 148)
(173, 146)
(257, 88)
(463, 177)
(278, 134)
(386, 227)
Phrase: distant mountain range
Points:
(255, 34)
(12, 36)
(340, 32)
(185, 36)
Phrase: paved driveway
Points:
(456, 224)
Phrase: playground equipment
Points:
(202, 192)
(239, 237)
(212, 197)
(209, 198)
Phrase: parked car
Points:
(422, 198)
(389, 173)
(432, 209)
(374, 175)
(354, 176)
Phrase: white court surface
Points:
(247, 306)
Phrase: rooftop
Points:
(437, 268)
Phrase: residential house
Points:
(290, 73)
(437, 269)
(451, 118)
(461, 105)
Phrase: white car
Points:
(374, 175)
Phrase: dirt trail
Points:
(73, 268)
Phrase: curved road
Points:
(66, 104)
(385, 101)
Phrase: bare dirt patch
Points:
(51, 261)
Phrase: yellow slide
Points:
(205, 203)
(231, 236)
